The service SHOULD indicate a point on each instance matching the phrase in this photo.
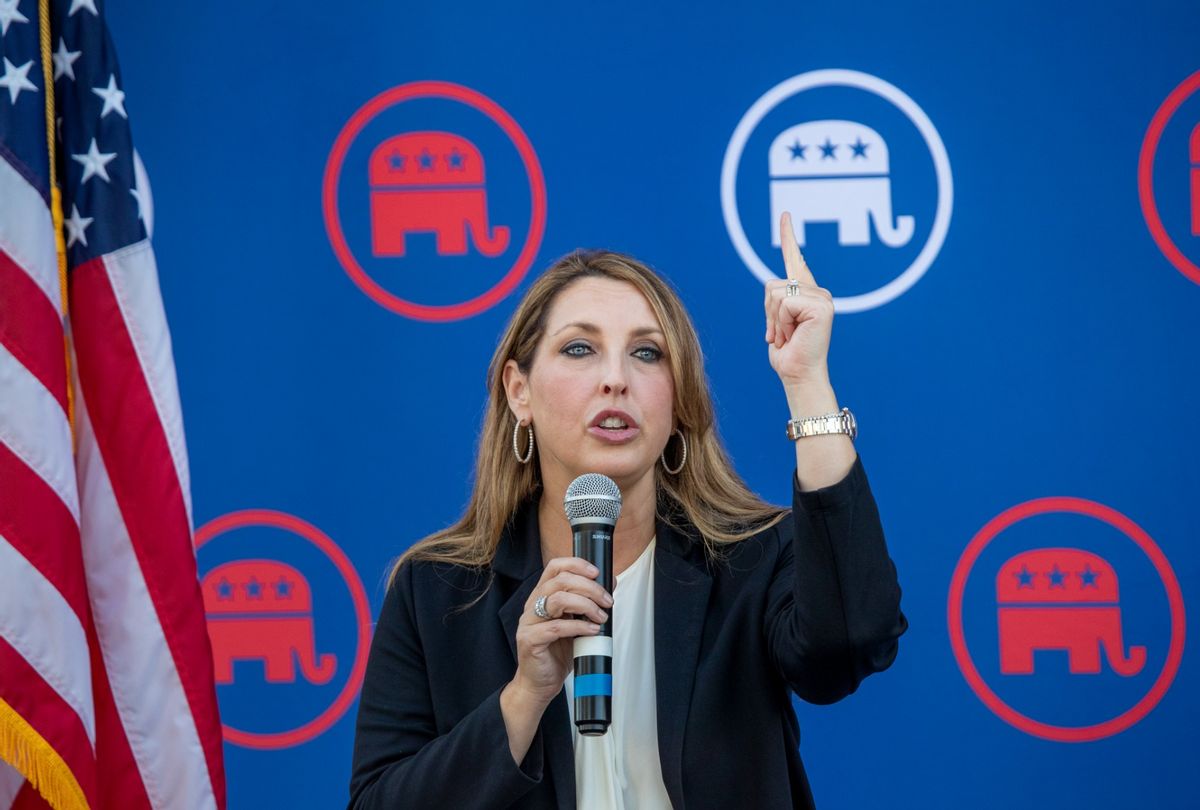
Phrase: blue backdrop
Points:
(1047, 350)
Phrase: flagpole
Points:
(56, 212)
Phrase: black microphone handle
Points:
(593, 654)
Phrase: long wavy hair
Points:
(707, 492)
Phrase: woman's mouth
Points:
(613, 427)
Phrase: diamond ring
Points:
(539, 608)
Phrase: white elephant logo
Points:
(835, 171)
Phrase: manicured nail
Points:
(608, 600)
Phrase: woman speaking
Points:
(722, 605)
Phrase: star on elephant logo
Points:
(289, 625)
(1066, 641)
(869, 191)
(434, 201)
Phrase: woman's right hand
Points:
(577, 605)
(544, 654)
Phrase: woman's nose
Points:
(614, 380)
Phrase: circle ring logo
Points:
(1078, 506)
(871, 84)
(1146, 176)
(333, 223)
(362, 615)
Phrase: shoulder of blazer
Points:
(678, 536)
(456, 588)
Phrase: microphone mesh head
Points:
(592, 497)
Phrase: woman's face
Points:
(599, 392)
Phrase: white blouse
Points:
(620, 770)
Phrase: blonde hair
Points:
(707, 492)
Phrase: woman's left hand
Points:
(799, 325)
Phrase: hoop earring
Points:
(517, 447)
(682, 458)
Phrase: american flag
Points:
(106, 688)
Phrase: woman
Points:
(722, 602)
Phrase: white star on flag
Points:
(16, 79)
(76, 225)
(93, 162)
(90, 5)
(63, 59)
(9, 14)
(114, 99)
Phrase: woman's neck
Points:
(634, 530)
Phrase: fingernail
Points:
(593, 570)
(595, 628)
(603, 617)
(608, 600)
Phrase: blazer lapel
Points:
(681, 590)
(519, 556)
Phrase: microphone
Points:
(593, 504)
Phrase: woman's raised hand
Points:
(798, 325)
(798, 329)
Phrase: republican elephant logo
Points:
(835, 171)
(261, 610)
(431, 182)
(1062, 599)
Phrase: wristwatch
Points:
(840, 422)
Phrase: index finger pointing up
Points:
(797, 269)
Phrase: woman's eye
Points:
(648, 353)
(577, 349)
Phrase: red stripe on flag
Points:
(134, 447)
(37, 524)
(32, 329)
(49, 715)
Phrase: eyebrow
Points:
(593, 328)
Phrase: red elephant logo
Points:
(430, 182)
(262, 610)
(1061, 599)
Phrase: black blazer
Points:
(812, 604)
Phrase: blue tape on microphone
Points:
(593, 685)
